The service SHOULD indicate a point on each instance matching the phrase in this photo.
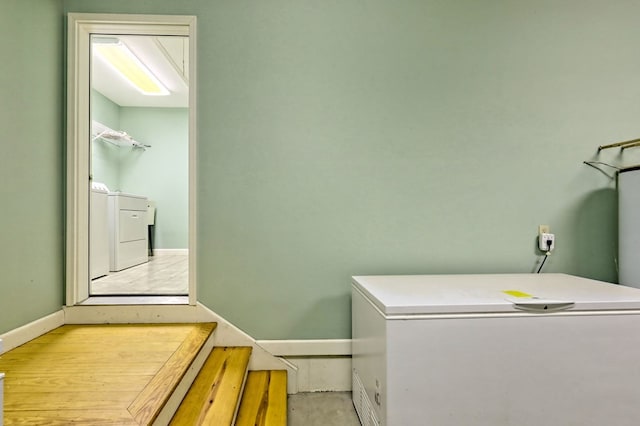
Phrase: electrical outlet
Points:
(546, 242)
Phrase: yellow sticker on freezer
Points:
(516, 293)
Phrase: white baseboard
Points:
(134, 314)
(323, 365)
(310, 347)
(172, 252)
(21, 335)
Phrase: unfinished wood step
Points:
(215, 394)
(103, 373)
(148, 404)
(264, 400)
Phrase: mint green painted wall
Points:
(161, 172)
(415, 136)
(31, 161)
(105, 156)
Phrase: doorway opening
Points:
(131, 160)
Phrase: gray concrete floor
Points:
(322, 409)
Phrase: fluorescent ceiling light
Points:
(118, 56)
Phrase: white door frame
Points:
(80, 28)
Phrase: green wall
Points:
(31, 161)
(161, 172)
(347, 137)
(105, 157)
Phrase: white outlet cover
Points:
(542, 242)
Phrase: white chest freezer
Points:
(492, 350)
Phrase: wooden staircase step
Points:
(215, 394)
(264, 401)
(125, 374)
(148, 404)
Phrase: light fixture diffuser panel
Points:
(126, 64)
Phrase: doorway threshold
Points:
(136, 300)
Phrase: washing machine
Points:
(98, 231)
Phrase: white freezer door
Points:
(514, 371)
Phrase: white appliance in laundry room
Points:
(495, 350)
(127, 230)
(98, 231)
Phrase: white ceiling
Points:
(168, 59)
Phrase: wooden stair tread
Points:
(214, 395)
(147, 405)
(100, 374)
(264, 402)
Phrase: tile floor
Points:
(322, 409)
(136, 300)
(162, 275)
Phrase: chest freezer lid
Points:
(439, 294)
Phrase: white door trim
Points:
(80, 28)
